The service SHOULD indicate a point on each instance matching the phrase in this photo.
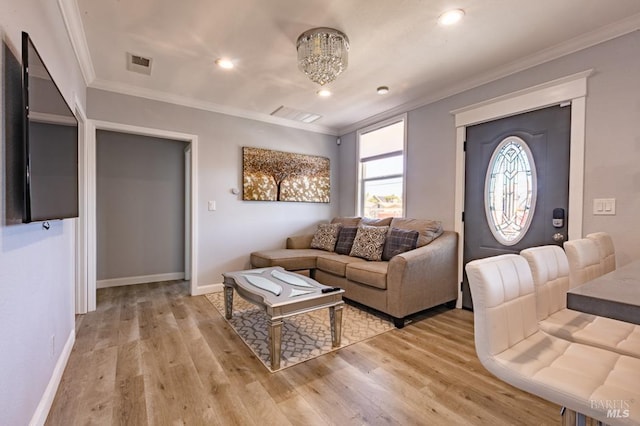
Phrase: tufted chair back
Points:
(606, 249)
(550, 271)
(584, 261)
(504, 305)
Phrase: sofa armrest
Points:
(299, 242)
(425, 277)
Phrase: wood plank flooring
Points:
(151, 354)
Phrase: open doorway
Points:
(140, 214)
(89, 229)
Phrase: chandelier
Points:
(322, 54)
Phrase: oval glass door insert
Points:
(510, 191)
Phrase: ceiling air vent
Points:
(139, 64)
(295, 115)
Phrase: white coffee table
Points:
(283, 294)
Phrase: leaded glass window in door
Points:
(510, 191)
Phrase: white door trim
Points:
(90, 187)
(572, 88)
(81, 258)
(187, 212)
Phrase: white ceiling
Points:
(396, 43)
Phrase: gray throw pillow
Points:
(399, 241)
(369, 242)
(429, 229)
(345, 239)
(326, 236)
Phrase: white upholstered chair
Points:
(550, 272)
(584, 261)
(606, 249)
(510, 344)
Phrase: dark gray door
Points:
(516, 182)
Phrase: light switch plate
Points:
(604, 206)
(211, 206)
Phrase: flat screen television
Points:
(50, 144)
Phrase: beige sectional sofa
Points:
(407, 283)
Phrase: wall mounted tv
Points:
(50, 143)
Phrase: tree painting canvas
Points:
(283, 176)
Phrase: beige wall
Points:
(612, 169)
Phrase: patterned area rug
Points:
(304, 336)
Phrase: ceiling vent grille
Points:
(295, 115)
(139, 64)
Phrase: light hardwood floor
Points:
(151, 354)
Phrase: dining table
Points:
(614, 295)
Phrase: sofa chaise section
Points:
(408, 283)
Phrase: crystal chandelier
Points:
(322, 54)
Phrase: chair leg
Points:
(568, 417)
(571, 418)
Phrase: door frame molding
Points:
(89, 227)
(81, 299)
(570, 89)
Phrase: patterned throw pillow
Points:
(369, 242)
(398, 241)
(345, 239)
(326, 236)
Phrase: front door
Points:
(516, 184)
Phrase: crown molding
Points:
(75, 29)
(584, 41)
(73, 22)
(186, 101)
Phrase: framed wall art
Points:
(269, 175)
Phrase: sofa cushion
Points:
(326, 236)
(347, 221)
(373, 274)
(398, 241)
(335, 264)
(369, 242)
(289, 259)
(429, 229)
(376, 222)
(345, 239)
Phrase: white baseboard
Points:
(211, 288)
(116, 282)
(42, 410)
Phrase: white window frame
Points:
(359, 202)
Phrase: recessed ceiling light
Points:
(324, 93)
(451, 17)
(382, 90)
(224, 63)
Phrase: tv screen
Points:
(50, 144)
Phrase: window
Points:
(510, 191)
(381, 169)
